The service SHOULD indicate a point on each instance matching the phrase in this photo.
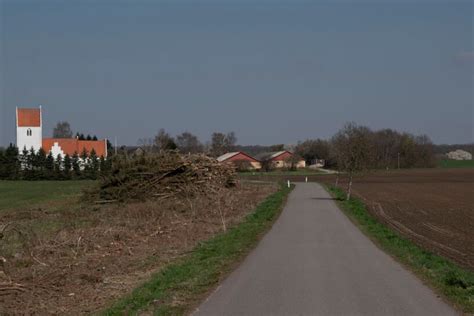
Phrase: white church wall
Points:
(26, 139)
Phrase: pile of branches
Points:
(162, 175)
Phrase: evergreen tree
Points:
(11, 167)
(76, 167)
(94, 165)
(49, 166)
(30, 172)
(94, 138)
(67, 167)
(58, 167)
(24, 160)
(41, 163)
(88, 137)
(85, 163)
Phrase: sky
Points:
(271, 71)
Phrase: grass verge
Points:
(452, 281)
(178, 287)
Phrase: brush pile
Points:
(162, 175)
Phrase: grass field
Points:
(454, 282)
(21, 194)
(448, 163)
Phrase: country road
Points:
(314, 261)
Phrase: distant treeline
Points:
(31, 165)
(382, 149)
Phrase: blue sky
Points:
(272, 71)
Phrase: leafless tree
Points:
(164, 141)
(147, 144)
(353, 148)
(188, 143)
(222, 143)
(62, 130)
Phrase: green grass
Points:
(452, 281)
(179, 286)
(21, 194)
(448, 163)
(299, 172)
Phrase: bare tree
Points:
(188, 143)
(164, 141)
(147, 144)
(222, 143)
(353, 150)
(62, 130)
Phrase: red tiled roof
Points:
(29, 117)
(73, 145)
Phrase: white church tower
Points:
(29, 128)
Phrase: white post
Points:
(306, 179)
(289, 183)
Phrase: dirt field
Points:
(81, 258)
(433, 207)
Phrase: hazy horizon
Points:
(271, 72)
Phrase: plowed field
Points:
(432, 207)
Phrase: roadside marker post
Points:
(306, 179)
(289, 183)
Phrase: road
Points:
(314, 261)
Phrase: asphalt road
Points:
(314, 261)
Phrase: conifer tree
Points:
(49, 166)
(58, 167)
(67, 167)
(11, 167)
(76, 167)
(41, 163)
(94, 164)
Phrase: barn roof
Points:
(229, 155)
(270, 155)
(226, 156)
(28, 117)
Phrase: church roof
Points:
(73, 145)
(29, 117)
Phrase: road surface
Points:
(314, 261)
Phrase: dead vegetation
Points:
(163, 175)
(51, 262)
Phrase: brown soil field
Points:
(81, 259)
(432, 207)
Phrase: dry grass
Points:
(55, 261)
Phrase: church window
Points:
(29, 132)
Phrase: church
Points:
(29, 134)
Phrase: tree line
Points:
(37, 165)
(187, 142)
(379, 149)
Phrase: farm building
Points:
(241, 159)
(459, 155)
(282, 159)
(29, 134)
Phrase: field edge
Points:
(180, 286)
(454, 283)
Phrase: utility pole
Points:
(115, 145)
(398, 160)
